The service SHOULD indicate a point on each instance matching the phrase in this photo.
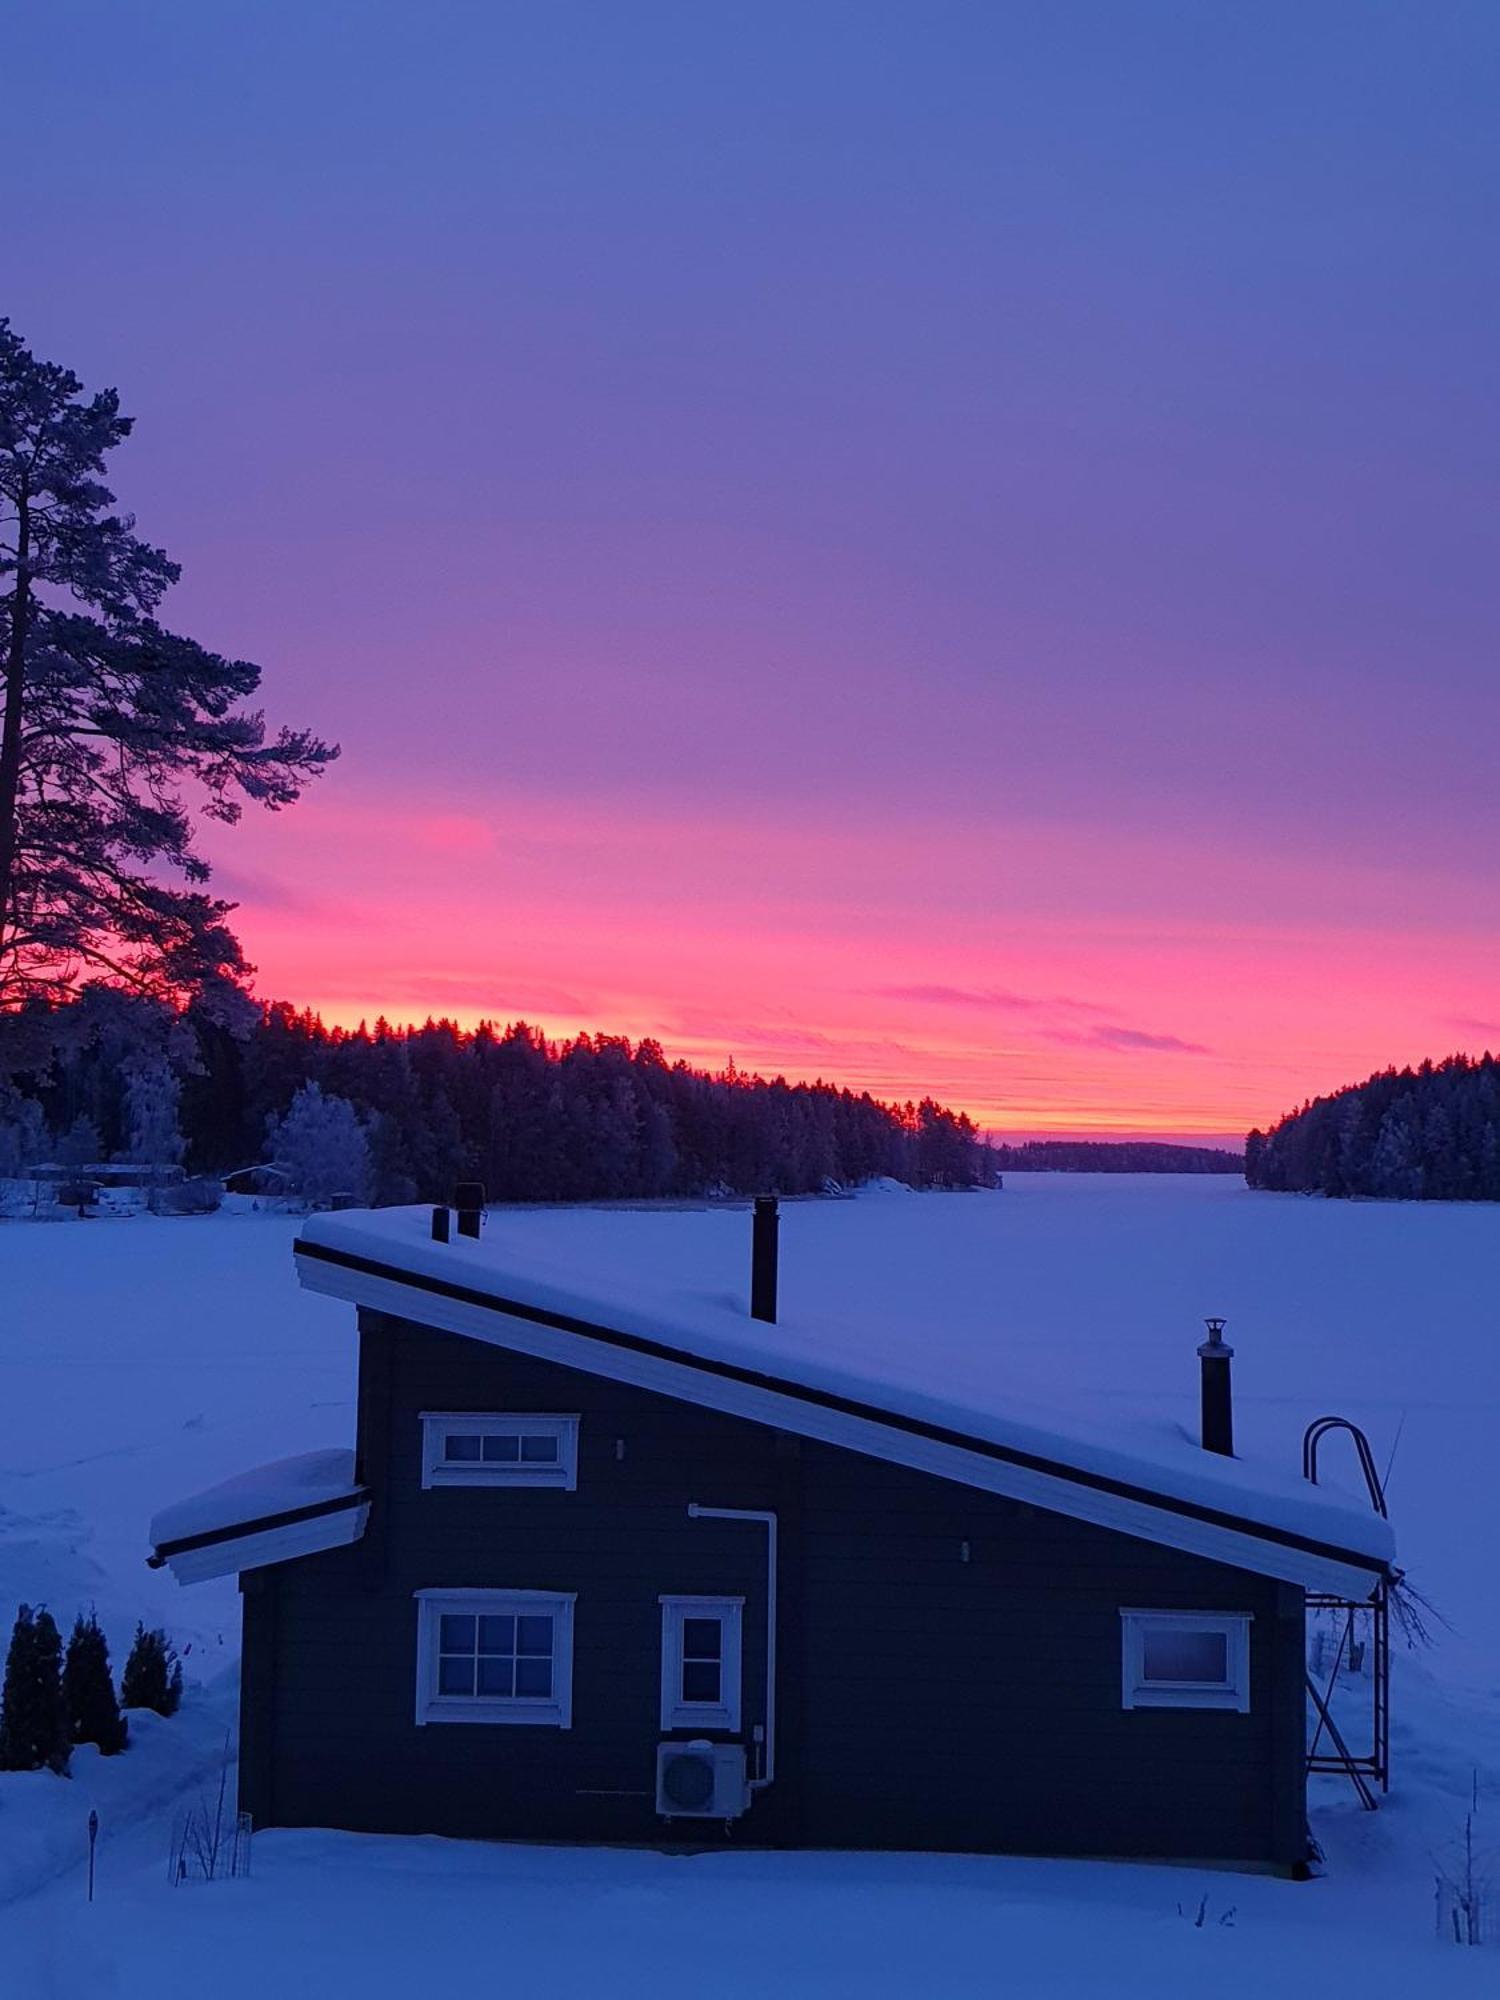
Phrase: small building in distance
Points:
(611, 1559)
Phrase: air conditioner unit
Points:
(701, 1780)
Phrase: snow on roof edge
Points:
(796, 1349)
(309, 1479)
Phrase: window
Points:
(495, 1656)
(700, 1662)
(474, 1448)
(1186, 1659)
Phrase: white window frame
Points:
(439, 1425)
(554, 1712)
(676, 1712)
(1233, 1692)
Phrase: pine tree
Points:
(89, 1692)
(110, 721)
(33, 1719)
(153, 1674)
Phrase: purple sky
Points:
(799, 513)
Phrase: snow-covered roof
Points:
(293, 1506)
(923, 1392)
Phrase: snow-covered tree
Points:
(23, 1132)
(152, 1095)
(322, 1145)
(80, 1145)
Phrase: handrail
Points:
(1314, 1435)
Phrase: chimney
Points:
(765, 1229)
(468, 1199)
(440, 1225)
(1214, 1357)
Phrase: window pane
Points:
(702, 1638)
(539, 1450)
(455, 1633)
(700, 1680)
(534, 1677)
(500, 1450)
(456, 1676)
(462, 1449)
(534, 1635)
(1184, 1656)
(497, 1676)
(497, 1635)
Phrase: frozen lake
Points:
(145, 1359)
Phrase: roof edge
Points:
(1303, 1552)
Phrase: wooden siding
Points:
(926, 1701)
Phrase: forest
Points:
(1425, 1134)
(399, 1114)
(1114, 1156)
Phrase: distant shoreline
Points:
(1114, 1156)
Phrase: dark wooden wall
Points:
(926, 1701)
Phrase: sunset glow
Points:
(958, 559)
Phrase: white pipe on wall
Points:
(768, 1522)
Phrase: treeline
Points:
(1425, 1134)
(1115, 1156)
(405, 1112)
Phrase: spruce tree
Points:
(89, 1692)
(153, 1674)
(33, 1719)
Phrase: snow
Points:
(277, 1488)
(678, 1277)
(146, 1358)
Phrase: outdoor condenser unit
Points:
(701, 1780)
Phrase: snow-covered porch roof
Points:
(292, 1507)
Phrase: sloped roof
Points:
(919, 1393)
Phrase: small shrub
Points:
(89, 1692)
(33, 1718)
(153, 1674)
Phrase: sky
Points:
(950, 547)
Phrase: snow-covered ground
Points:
(144, 1359)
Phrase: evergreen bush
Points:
(88, 1690)
(33, 1718)
(153, 1674)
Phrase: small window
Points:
(494, 1656)
(700, 1662)
(490, 1449)
(1186, 1659)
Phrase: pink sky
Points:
(1041, 979)
(949, 547)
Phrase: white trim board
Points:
(1056, 1495)
(272, 1545)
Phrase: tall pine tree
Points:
(110, 721)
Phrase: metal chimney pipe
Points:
(1214, 1356)
(440, 1225)
(468, 1199)
(764, 1232)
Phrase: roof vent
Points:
(440, 1225)
(764, 1232)
(468, 1199)
(1214, 1357)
